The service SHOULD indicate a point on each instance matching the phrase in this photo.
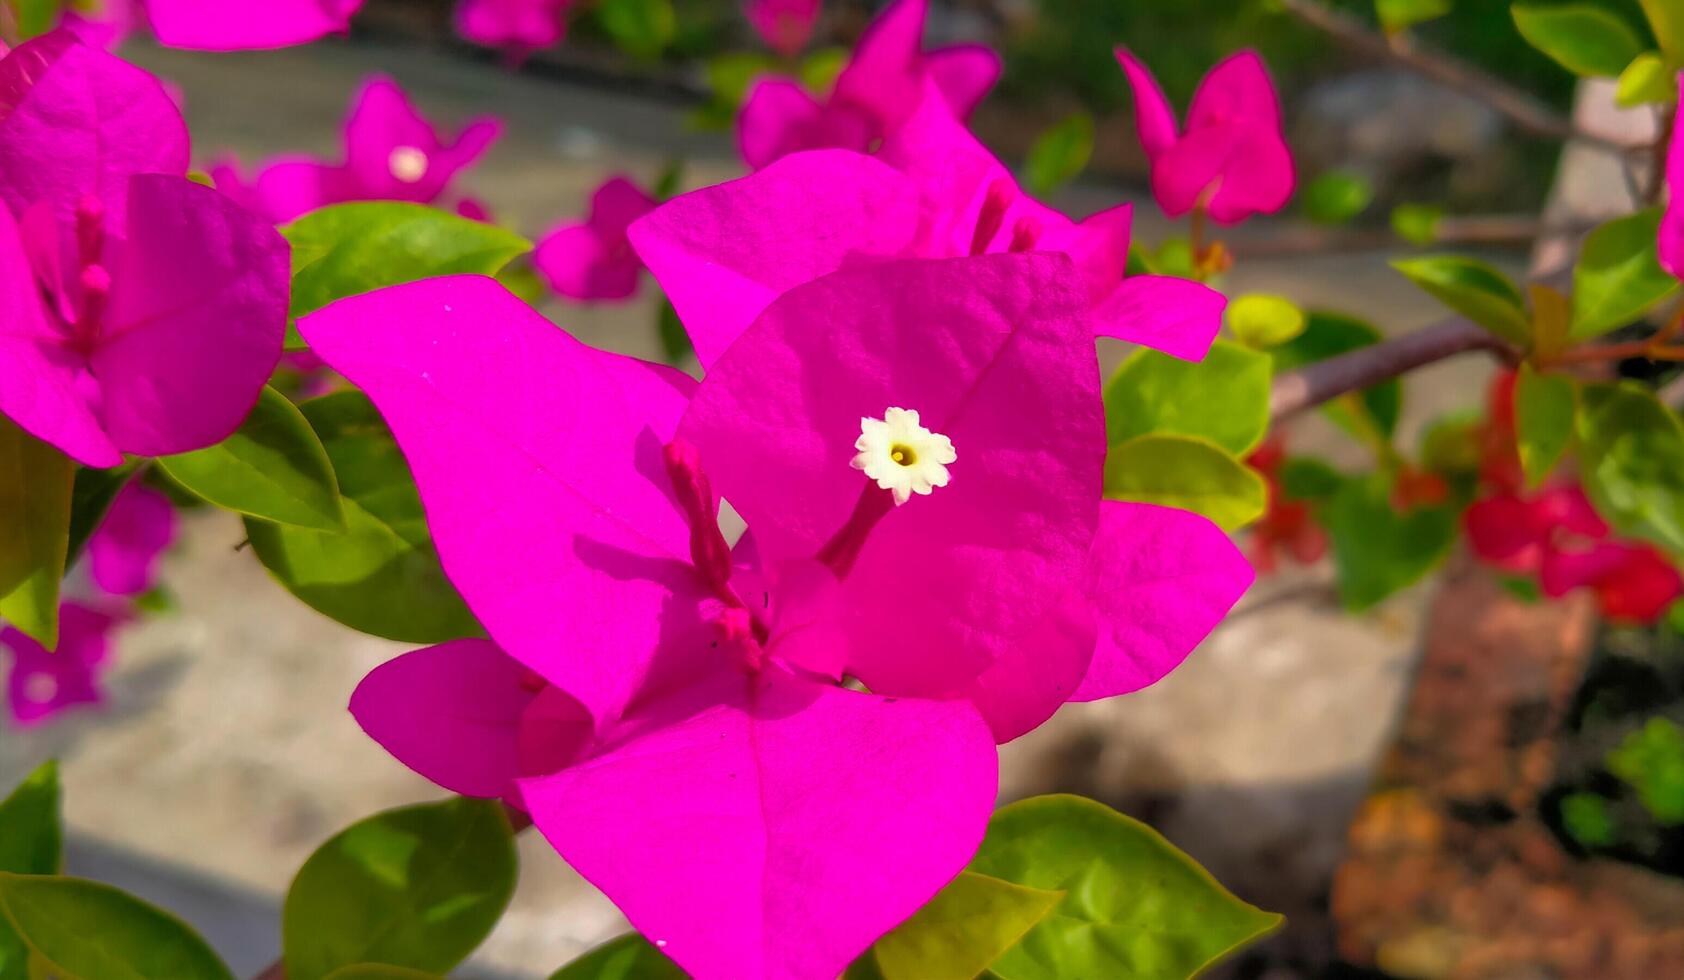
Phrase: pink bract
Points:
(1232, 158)
(518, 27)
(785, 25)
(43, 683)
(392, 153)
(123, 553)
(592, 260)
(142, 312)
(239, 25)
(880, 87)
(1670, 243)
(723, 252)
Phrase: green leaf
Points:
(272, 467)
(1189, 473)
(1583, 38)
(1224, 398)
(381, 574)
(84, 930)
(1618, 277)
(1646, 81)
(521, 277)
(35, 17)
(630, 957)
(1327, 335)
(820, 69)
(1377, 549)
(964, 929)
(1586, 818)
(1261, 321)
(1450, 444)
(675, 340)
(346, 249)
(1398, 15)
(1631, 459)
(30, 838)
(1666, 22)
(1474, 289)
(1544, 408)
(31, 843)
(1059, 154)
(1134, 905)
(91, 494)
(729, 75)
(1417, 224)
(1336, 197)
(1651, 760)
(1309, 478)
(640, 28)
(35, 490)
(670, 181)
(417, 887)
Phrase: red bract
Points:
(1288, 524)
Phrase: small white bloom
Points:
(901, 455)
(407, 163)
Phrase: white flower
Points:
(407, 163)
(901, 455)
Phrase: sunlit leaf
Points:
(272, 467)
(1059, 154)
(381, 574)
(1189, 473)
(1134, 906)
(1544, 409)
(1631, 460)
(1261, 320)
(630, 957)
(964, 929)
(1224, 398)
(415, 887)
(1618, 277)
(1646, 81)
(1474, 289)
(35, 491)
(85, 930)
(1584, 38)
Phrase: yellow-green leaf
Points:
(1619, 277)
(964, 929)
(1261, 320)
(35, 487)
(1223, 398)
(1189, 473)
(1646, 81)
(85, 930)
(1583, 38)
(1544, 408)
(1474, 289)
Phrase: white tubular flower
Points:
(901, 455)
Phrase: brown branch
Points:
(1311, 385)
(1527, 111)
(1491, 229)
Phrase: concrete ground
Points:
(226, 754)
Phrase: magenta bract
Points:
(144, 312)
(592, 260)
(238, 25)
(123, 552)
(518, 27)
(43, 683)
(1232, 159)
(785, 25)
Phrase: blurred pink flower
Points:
(880, 87)
(144, 312)
(43, 683)
(932, 191)
(392, 153)
(1232, 160)
(592, 260)
(518, 27)
(104, 23)
(123, 552)
(239, 25)
(785, 25)
(1670, 244)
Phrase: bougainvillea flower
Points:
(243, 25)
(592, 260)
(1670, 241)
(879, 89)
(1288, 524)
(785, 25)
(723, 252)
(44, 682)
(1232, 159)
(142, 313)
(518, 27)
(1632, 580)
(123, 552)
(392, 153)
(706, 677)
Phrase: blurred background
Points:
(1391, 781)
